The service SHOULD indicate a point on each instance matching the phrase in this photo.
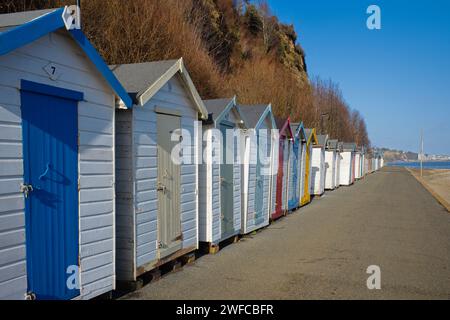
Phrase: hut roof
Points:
(253, 113)
(332, 144)
(349, 146)
(18, 18)
(311, 135)
(144, 80)
(322, 140)
(299, 130)
(218, 107)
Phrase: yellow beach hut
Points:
(311, 137)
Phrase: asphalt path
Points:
(323, 250)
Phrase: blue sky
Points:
(397, 77)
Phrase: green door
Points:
(226, 183)
(168, 186)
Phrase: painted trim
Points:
(146, 95)
(264, 115)
(286, 125)
(227, 109)
(31, 31)
(44, 89)
(167, 111)
(227, 123)
(101, 66)
(21, 35)
(301, 129)
(232, 103)
(312, 137)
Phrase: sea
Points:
(426, 164)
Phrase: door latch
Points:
(161, 245)
(162, 188)
(26, 189)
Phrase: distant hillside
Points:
(398, 155)
(230, 47)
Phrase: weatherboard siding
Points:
(250, 223)
(345, 169)
(357, 166)
(138, 177)
(318, 174)
(330, 163)
(301, 175)
(337, 168)
(96, 163)
(250, 212)
(209, 188)
(286, 163)
(125, 231)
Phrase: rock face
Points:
(235, 33)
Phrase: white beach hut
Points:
(337, 170)
(157, 192)
(257, 188)
(357, 164)
(363, 162)
(347, 164)
(318, 166)
(330, 164)
(220, 177)
(57, 208)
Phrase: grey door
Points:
(168, 186)
(226, 184)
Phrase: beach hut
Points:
(285, 156)
(310, 142)
(363, 162)
(297, 166)
(338, 165)
(260, 149)
(156, 167)
(318, 166)
(347, 165)
(330, 164)
(366, 165)
(220, 177)
(57, 212)
(358, 164)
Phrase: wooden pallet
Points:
(214, 248)
(154, 272)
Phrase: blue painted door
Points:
(294, 196)
(50, 131)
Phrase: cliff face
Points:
(398, 155)
(235, 33)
